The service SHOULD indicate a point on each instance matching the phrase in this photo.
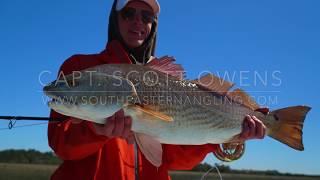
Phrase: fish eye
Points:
(93, 100)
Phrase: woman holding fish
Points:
(94, 151)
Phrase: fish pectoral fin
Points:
(147, 111)
(151, 148)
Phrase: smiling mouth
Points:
(137, 33)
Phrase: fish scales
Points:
(165, 109)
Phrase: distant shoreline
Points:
(238, 176)
(25, 171)
(31, 158)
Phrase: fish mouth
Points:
(58, 101)
(56, 98)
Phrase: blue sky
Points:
(277, 41)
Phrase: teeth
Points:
(137, 32)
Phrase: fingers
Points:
(117, 125)
(107, 129)
(253, 128)
(245, 128)
(109, 126)
(130, 139)
(127, 127)
(260, 128)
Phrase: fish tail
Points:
(288, 125)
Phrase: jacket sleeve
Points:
(72, 141)
(185, 157)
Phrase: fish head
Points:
(91, 96)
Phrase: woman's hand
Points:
(117, 125)
(252, 128)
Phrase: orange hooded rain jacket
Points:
(88, 156)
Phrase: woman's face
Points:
(135, 23)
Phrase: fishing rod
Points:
(13, 119)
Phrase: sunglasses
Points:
(129, 14)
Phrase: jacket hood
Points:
(140, 54)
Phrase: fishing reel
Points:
(230, 152)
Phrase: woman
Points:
(92, 151)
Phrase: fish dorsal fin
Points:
(243, 98)
(150, 148)
(166, 65)
(213, 83)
